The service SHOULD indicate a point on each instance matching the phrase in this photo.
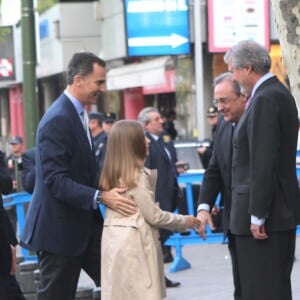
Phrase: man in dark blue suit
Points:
(63, 223)
(162, 156)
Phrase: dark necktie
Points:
(232, 134)
(164, 148)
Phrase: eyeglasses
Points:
(222, 101)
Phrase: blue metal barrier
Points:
(20, 200)
(298, 171)
(102, 210)
(178, 240)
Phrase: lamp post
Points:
(29, 71)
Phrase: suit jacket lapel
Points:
(162, 149)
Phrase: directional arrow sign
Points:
(157, 27)
(174, 40)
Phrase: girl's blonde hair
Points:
(125, 155)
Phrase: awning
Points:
(150, 72)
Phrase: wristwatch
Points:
(99, 199)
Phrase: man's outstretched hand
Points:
(205, 218)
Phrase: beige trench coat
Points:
(131, 258)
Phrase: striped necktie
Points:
(85, 121)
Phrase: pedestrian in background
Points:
(132, 266)
(14, 162)
(63, 223)
(108, 121)
(217, 177)
(265, 196)
(98, 136)
(9, 287)
(206, 147)
(96, 128)
(169, 118)
(162, 156)
(15, 167)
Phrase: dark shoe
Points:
(170, 283)
(168, 257)
(185, 232)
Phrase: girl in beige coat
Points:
(131, 259)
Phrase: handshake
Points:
(193, 222)
(199, 223)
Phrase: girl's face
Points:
(147, 142)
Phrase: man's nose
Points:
(102, 88)
(220, 106)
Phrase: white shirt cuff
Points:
(203, 206)
(257, 221)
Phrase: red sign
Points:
(7, 57)
(6, 68)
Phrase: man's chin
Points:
(227, 119)
(94, 99)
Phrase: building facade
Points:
(167, 82)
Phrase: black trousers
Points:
(235, 269)
(10, 289)
(265, 266)
(60, 274)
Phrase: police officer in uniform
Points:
(97, 132)
(205, 151)
(109, 119)
(15, 168)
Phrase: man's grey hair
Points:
(249, 53)
(227, 76)
(144, 116)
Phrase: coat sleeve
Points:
(144, 197)
(212, 182)
(28, 175)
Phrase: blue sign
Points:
(44, 29)
(157, 27)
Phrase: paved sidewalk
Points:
(210, 276)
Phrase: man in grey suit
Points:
(217, 177)
(265, 196)
(63, 223)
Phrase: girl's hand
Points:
(193, 222)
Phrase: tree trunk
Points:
(287, 18)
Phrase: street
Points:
(210, 275)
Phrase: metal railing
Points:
(177, 240)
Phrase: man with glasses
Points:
(217, 178)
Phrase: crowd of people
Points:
(85, 159)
